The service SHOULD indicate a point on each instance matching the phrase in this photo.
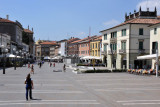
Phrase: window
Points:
(123, 46)
(154, 47)
(105, 36)
(113, 46)
(96, 45)
(140, 45)
(155, 31)
(93, 45)
(113, 34)
(123, 32)
(140, 31)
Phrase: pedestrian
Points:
(40, 64)
(32, 69)
(50, 64)
(64, 68)
(54, 64)
(28, 64)
(29, 86)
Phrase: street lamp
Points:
(25, 58)
(15, 60)
(4, 52)
(14, 50)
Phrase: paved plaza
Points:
(67, 89)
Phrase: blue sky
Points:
(61, 19)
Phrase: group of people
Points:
(51, 64)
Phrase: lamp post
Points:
(16, 59)
(14, 50)
(24, 58)
(4, 52)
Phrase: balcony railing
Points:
(104, 52)
(141, 51)
(153, 51)
(112, 52)
(122, 51)
(113, 40)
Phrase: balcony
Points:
(113, 40)
(104, 52)
(141, 51)
(153, 51)
(113, 52)
(122, 51)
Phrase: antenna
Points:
(147, 6)
(89, 31)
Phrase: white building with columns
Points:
(122, 44)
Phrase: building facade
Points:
(122, 44)
(5, 40)
(96, 46)
(154, 41)
(14, 29)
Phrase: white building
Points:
(154, 41)
(122, 44)
(63, 47)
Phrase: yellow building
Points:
(95, 47)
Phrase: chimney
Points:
(28, 27)
(7, 17)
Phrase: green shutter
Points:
(140, 45)
(141, 31)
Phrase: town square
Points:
(83, 53)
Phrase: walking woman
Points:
(29, 86)
(64, 68)
(32, 69)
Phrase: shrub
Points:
(97, 71)
(104, 71)
(119, 70)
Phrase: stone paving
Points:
(53, 88)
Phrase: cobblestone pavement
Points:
(54, 88)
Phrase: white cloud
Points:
(151, 4)
(111, 23)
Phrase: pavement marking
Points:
(141, 104)
(39, 84)
(55, 103)
(42, 91)
(129, 89)
(51, 101)
(138, 101)
(109, 79)
(121, 84)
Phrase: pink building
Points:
(84, 46)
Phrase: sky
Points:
(61, 19)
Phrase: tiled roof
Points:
(6, 20)
(76, 41)
(27, 31)
(137, 21)
(73, 39)
(49, 43)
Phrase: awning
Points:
(91, 57)
(57, 57)
(10, 56)
(152, 56)
(47, 57)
